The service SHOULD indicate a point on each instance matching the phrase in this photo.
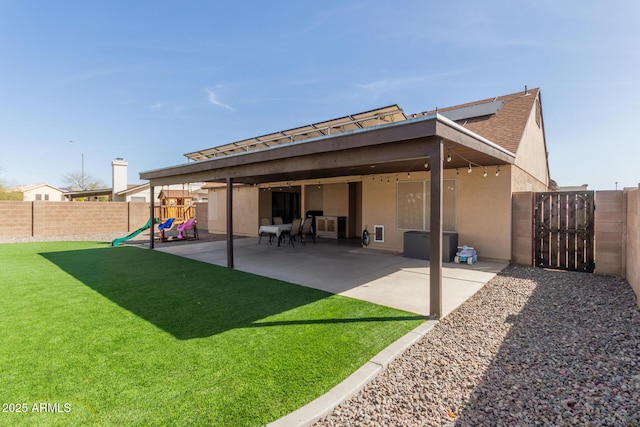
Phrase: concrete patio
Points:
(379, 277)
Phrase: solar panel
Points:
(380, 116)
(479, 110)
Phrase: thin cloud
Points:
(157, 105)
(400, 82)
(213, 98)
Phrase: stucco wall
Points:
(246, 211)
(609, 218)
(633, 241)
(55, 195)
(312, 198)
(202, 215)
(335, 199)
(42, 219)
(523, 182)
(483, 210)
(531, 155)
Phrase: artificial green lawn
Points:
(128, 336)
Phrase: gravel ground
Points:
(533, 347)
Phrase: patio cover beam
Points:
(229, 222)
(435, 236)
(151, 216)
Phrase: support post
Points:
(435, 258)
(230, 222)
(151, 216)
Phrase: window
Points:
(46, 197)
(414, 205)
(38, 196)
(411, 205)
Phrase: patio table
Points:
(275, 230)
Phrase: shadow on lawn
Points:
(186, 298)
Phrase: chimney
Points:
(118, 177)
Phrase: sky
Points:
(149, 81)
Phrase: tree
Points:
(80, 181)
(6, 194)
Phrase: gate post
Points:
(522, 243)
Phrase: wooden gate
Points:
(564, 230)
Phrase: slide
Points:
(117, 242)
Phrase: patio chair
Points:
(186, 227)
(264, 221)
(307, 230)
(277, 220)
(295, 230)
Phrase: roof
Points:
(133, 189)
(175, 194)
(500, 119)
(24, 188)
(482, 133)
(87, 193)
(505, 126)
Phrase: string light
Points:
(449, 156)
(485, 172)
(469, 170)
(497, 170)
(408, 175)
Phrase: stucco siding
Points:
(379, 208)
(522, 181)
(45, 192)
(531, 156)
(246, 211)
(483, 213)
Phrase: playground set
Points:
(168, 231)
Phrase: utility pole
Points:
(81, 176)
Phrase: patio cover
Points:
(396, 147)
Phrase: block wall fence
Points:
(47, 218)
(617, 233)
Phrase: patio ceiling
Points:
(393, 148)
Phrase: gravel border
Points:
(532, 347)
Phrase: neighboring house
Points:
(384, 171)
(121, 191)
(40, 192)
